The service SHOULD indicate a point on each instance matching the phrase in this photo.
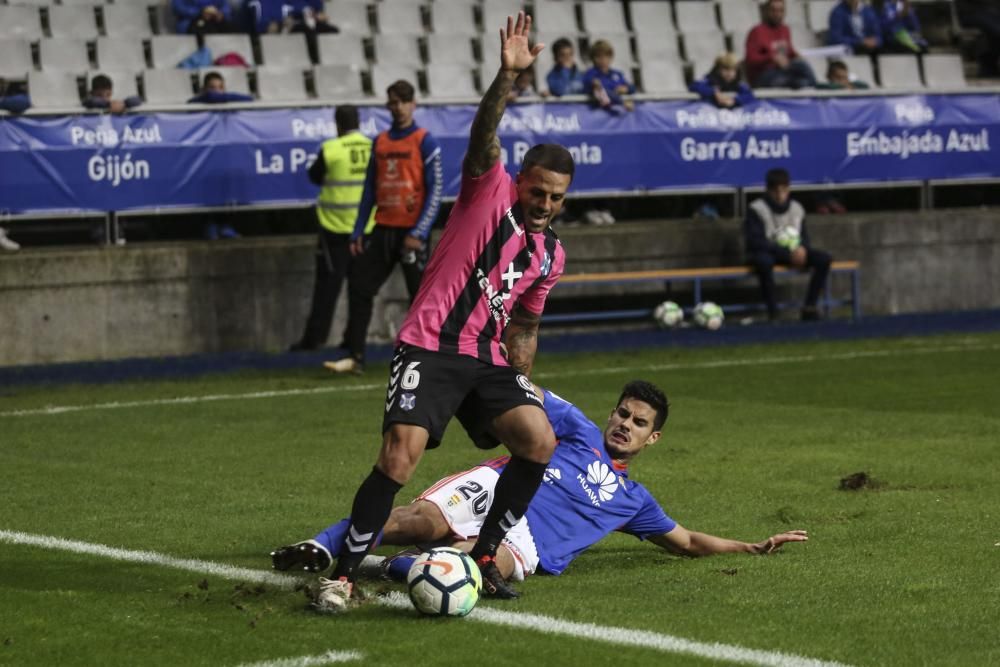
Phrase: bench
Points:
(697, 277)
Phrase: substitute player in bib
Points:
(468, 343)
(586, 495)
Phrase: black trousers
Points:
(816, 260)
(333, 260)
(384, 249)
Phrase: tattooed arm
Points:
(521, 339)
(515, 55)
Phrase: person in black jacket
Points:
(775, 233)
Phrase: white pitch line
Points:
(727, 363)
(533, 622)
(309, 660)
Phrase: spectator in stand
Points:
(524, 85)
(775, 233)
(984, 16)
(213, 91)
(722, 86)
(278, 16)
(100, 96)
(855, 24)
(13, 98)
(604, 84)
(900, 27)
(838, 77)
(199, 17)
(565, 78)
(771, 59)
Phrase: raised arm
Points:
(692, 544)
(515, 55)
(521, 339)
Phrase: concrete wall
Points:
(74, 304)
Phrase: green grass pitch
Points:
(901, 573)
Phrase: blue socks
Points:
(333, 538)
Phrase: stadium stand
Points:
(738, 18)
(54, 89)
(66, 55)
(235, 77)
(944, 71)
(603, 18)
(553, 16)
(124, 81)
(450, 80)
(333, 82)
(795, 13)
(445, 48)
(803, 37)
(78, 22)
(701, 49)
(351, 18)
(899, 72)
(168, 50)
(401, 49)
(127, 21)
(399, 19)
(454, 18)
(167, 86)
(694, 16)
(495, 13)
(818, 14)
(341, 50)
(281, 85)
(120, 52)
(860, 68)
(384, 75)
(22, 22)
(15, 58)
(284, 51)
(650, 48)
(223, 44)
(163, 19)
(662, 77)
(652, 17)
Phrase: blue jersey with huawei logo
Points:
(583, 496)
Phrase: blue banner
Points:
(247, 157)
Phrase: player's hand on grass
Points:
(775, 542)
(515, 52)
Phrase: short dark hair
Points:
(404, 90)
(835, 65)
(560, 44)
(776, 177)
(346, 117)
(212, 76)
(101, 82)
(549, 156)
(649, 393)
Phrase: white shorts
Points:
(464, 500)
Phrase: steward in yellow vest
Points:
(339, 169)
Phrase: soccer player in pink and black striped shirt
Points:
(468, 343)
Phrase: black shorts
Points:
(429, 388)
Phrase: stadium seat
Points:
(859, 68)
(399, 19)
(819, 65)
(603, 18)
(896, 72)
(553, 16)
(30, 3)
(281, 85)
(738, 17)
(351, 17)
(235, 78)
(695, 16)
(652, 17)
(56, 89)
(450, 80)
(944, 70)
(223, 44)
(660, 77)
(21, 22)
(168, 50)
(384, 75)
(489, 49)
(495, 13)
(803, 37)
(126, 21)
(456, 17)
(651, 48)
(337, 82)
(15, 58)
(341, 50)
(120, 52)
(795, 13)
(168, 86)
(77, 22)
(285, 51)
(400, 49)
(704, 46)
(448, 48)
(818, 14)
(123, 81)
(65, 55)
(165, 23)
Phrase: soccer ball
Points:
(444, 582)
(668, 315)
(788, 237)
(708, 315)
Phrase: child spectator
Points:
(722, 86)
(199, 17)
(100, 96)
(855, 25)
(213, 91)
(771, 60)
(524, 85)
(565, 78)
(900, 27)
(838, 77)
(604, 84)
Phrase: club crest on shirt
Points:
(407, 401)
(546, 264)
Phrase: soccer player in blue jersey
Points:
(586, 494)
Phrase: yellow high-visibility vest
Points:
(346, 160)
